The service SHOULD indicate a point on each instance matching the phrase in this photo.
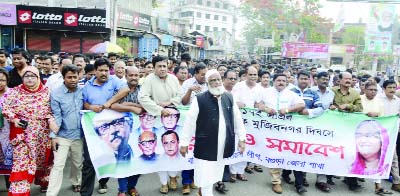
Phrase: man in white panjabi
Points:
(246, 94)
(215, 120)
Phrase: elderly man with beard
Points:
(279, 99)
(348, 100)
(99, 94)
(214, 132)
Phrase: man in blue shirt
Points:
(66, 103)
(326, 95)
(99, 93)
(313, 109)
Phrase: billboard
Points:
(378, 34)
(305, 50)
(7, 14)
(56, 18)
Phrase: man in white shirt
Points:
(391, 106)
(195, 85)
(279, 99)
(246, 94)
(57, 79)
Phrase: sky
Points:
(352, 14)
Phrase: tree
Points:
(284, 17)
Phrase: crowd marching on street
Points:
(41, 97)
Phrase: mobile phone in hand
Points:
(23, 123)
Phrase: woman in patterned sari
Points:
(27, 108)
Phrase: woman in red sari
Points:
(27, 107)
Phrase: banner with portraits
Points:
(336, 143)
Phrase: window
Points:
(223, 29)
(223, 18)
(207, 28)
(215, 29)
(208, 16)
(209, 3)
(198, 15)
(199, 2)
(225, 6)
(215, 17)
(198, 27)
(186, 14)
(216, 5)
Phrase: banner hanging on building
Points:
(56, 18)
(7, 14)
(305, 50)
(378, 34)
(132, 144)
(133, 20)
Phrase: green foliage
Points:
(283, 17)
(124, 43)
(353, 35)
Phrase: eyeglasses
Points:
(105, 128)
(3, 80)
(30, 77)
(252, 74)
(376, 135)
(175, 116)
(147, 142)
(147, 117)
(232, 79)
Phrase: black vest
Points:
(206, 143)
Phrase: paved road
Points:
(258, 184)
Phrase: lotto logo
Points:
(71, 19)
(24, 16)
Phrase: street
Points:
(258, 184)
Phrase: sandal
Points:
(258, 168)
(232, 179)
(248, 170)
(220, 187)
(382, 191)
(76, 188)
(241, 177)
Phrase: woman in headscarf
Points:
(27, 107)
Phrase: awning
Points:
(186, 43)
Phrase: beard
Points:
(216, 91)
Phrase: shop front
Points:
(7, 25)
(55, 29)
(131, 28)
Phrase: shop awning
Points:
(186, 43)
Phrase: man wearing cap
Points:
(214, 133)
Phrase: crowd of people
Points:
(41, 99)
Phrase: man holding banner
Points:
(214, 132)
(347, 100)
(313, 109)
(372, 107)
(97, 97)
(159, 90)
(391, 104)
(279, 99)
